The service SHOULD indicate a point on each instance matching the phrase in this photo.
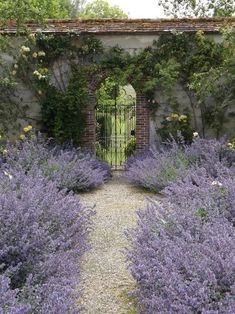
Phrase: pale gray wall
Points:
(134, 43)
(131, 43)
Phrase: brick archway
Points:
(142, 123)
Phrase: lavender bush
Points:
(9, 303)
(199, 189)
(156, 169)
(182, 254)
(208, 153)
(43, 236)
(68, 167)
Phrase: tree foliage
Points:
(100, 9)
(198, 8)
(22, 10)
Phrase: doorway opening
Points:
(115, 122)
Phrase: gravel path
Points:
(106, 280)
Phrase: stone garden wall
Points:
(147, 124)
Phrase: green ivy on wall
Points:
(175, 58)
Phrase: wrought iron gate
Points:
(115, 133)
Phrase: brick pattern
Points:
(142, 122)
(125, 26)
(89, 135)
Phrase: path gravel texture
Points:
(106, 279)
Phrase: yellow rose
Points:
(174, 116)
(28, 128)
(22, 136)
(35, 55)
(183, 118)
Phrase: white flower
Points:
(195, 134)
(32, 36)
(216, 183)
(25, 49)
(7, 174)
(41, 54)
(37, 73)
(41, 77)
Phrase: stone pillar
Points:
(89, 134)
(142, 122)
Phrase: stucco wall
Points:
(186, 106)
(135, 42)
(131, 43)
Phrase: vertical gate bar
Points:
(120, 133)
(112, 122)
(103, 135)
(115, 125)
(106, 134)
(116, 121)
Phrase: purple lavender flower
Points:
(9, 302)
(43, 236)
(156, 169)
(182, 251)
(69, 167)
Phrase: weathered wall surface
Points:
(134, 43)
(187, 106)
(131, 43)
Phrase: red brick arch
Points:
(142, 122)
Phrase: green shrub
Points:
(130, 147)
